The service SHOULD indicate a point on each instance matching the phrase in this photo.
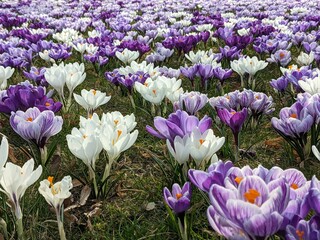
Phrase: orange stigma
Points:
(251, 195)
(282, 55)
(154, 91)
(48, 104)
(294, 186)
(29, 119)
(201, 141)
(178, 195)
(293, 115)
(300, 234)
(238, 179)
(94, 92)
(50, 179)
(116, 122)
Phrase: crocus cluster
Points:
(258, 203)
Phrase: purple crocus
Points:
(304, 230)
(233, 119)
(283, 57)
(179, 199)
(215, 174)
(251, 211)
(314, 195)
(191, 102)
(35, 126)
(179, 123)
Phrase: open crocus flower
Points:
(204, 145)
(252, 65)
(311, 85)
(179, 123)
(251, 211)
(127, 56)
(15, 181)
(55, 194)
(5, 74)
(116, 119)
(152, 91)
(33, 125)
(179, 200)
(305, 59)
(91, 100)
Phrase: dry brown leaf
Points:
(85, 193)
(12, 157)
(274, 143)
(76, 183)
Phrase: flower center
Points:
(293, 115)
(201, 141)
(238, 179)
(154, 91)
(94, 92)
(50, 179)
(178, 195)
(84, 136)
(300, 234)
(294, 186)
(116, 122)
(29, 119)
(47, 104)
(251, 195)
(282, 55)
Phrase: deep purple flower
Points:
(280, 84)
(24, 96)
(35, 126)
(179, 123)
(314, 195)
(222, 74)
(233, 119)
(179, 199)
(37, 75)
(190, 72)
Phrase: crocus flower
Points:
(215, 174)
(315, 152)
(311, 85)
(180, 149)
(55, 194)
(251, 65)
(179, 123)
(179, 199)
(305, 59)
(304, 230)
(91, 100)
(127, 56)
(283, 57)
(36, 126)
(247, 210)
(15, 181)
(5, 74)
(314, 195)
(191, 102)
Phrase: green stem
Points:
(44, 155)
(92, 177)
(132, 101)
(19, 225)
(183, 227)
(60, 225)
(3, 225)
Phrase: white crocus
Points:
(315, 152)
(91, 49)
(75, 75)
(195, 57)
(180, 149)
(45, 56)
(243, 31)
(5, 74)
(235, 65)
(172, 85)
(15, 180)
(152, 91)
(311, 86)
(117, 141)
(56, 77)
(252, 65)
(204, 146)
(127, 56)
(290, 68)
(55, 194)
(305, 59)
(115, 119)
(91, 100)
(80, 47)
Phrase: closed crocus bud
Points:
(80, 47)
(127, 56)
(191, 102)
(179, 199)
(4, 151)
(91, 100)
(305, 59)
(5, 74)
(180, 150)
(56, 77)
(315, 152)
(75, 75)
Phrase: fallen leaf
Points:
(150, 206)
(85, 193)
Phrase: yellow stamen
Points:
(251, 195)
(94, 92)
(238, 179)
(116, 122)
(154, 91)
(47, 104)
(84, 136)
(119, 133)
(178, 195)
